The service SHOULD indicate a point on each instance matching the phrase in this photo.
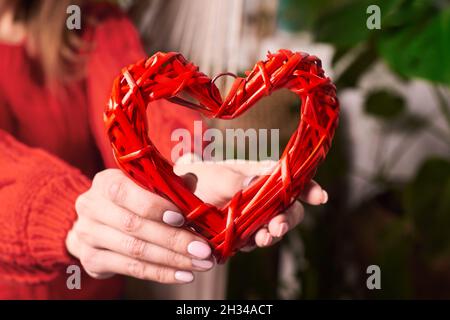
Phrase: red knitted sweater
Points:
(51, 144)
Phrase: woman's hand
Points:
(217, 182)
(124, 229)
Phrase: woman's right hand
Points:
(124, 229)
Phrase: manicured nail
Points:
(267, 240)
(199, 249)
(248, 181)
(282, 229)
(202, 264)
(324, 197)
(173, 218)
(184, 276)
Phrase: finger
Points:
(248, 248)
(115, 186)
(263, 238)
(208, 187)
(175, 239)
(104, 237)
(73, 243)
(280, 224)
(314, 194)
(242, 167)
(250, 168)
(75, 247)
(98, 261)
(238, 169)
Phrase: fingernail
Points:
(173, 218)
(199, 249)
(282, 229)
(324, 197)
(202, 264)
(267, 240)
(248, 181)
(184, 276)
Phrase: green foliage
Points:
(420, 50)
(391, 108)
(299, 15)
(414, 42)
(358, 66)
(384, 104)
(414, 39)
(427, 202)
(342, 26)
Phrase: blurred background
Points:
(388, 171)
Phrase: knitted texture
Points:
(37, 190)
(170, 76)
(40, 190)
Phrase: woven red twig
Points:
(166, 76)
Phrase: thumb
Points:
(250, 168)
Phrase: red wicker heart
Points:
(166, 76)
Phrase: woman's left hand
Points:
(217, 182)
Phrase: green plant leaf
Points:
(344, 24)
(420, 49)
(360, 64)
(297, 15)
(384, 104)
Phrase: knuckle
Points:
(131, 222)
(108, 182)
(117, 191)
(160, 275)
(99, 177)
(135, 248)
(136, 269)
(174, 238)
(149, 209)
(176, 259)
(89, 260)
(106, 175)
(84, 231)
(82, 204)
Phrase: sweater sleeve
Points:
(37, 196)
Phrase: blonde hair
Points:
(48, 39)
